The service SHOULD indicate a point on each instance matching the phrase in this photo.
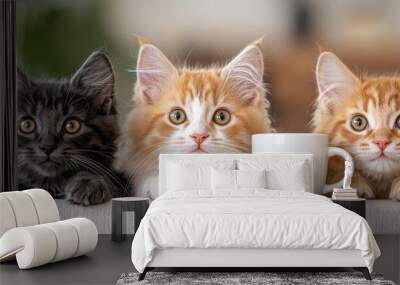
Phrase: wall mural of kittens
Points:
(187, 110)
(68, 129)
(67, 132)
(361, 115)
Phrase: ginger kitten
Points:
(190, 110)
(361, 115)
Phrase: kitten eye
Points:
(359, 123)
(27, 125)
(221, 117)
(397, 123)
(72, 126)
(177, 116)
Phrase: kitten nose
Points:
(199, 138)
(47, 149)
(382, 144)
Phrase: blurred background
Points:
(55, 36)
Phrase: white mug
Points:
(316, 144)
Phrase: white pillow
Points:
(223, 179)
(230, 180)
(288, 174)
(251, 178)
(181, 177)
(193, 174)
(294, 180)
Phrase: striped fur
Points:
(76, 166)
(344, 96)
(199, 92)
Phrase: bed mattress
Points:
(251, 219)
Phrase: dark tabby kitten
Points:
(67, 133)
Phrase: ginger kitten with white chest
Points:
(361, 115)
(191, 110)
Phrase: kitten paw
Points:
(395, 190)
(364, 190)
(88, 189)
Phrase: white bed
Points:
(249, 227)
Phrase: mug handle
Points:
(332, 151)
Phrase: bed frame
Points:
(234, 259)
(238, 259)
(259, 259)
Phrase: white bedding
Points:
(252, 218)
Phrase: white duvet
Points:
(250, 219)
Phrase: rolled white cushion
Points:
(7, 218)
(32, 246)
(87, 234)
(40, 244)
(23, 208)
(26, 208)
(46, 207)
(67, 240)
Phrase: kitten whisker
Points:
(110, 172)
(100, 168)
(236, 147)
(80, 151)
(144, 70)
(239, 78)
(187, 57)
(97, 167)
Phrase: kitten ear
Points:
(154, 72)
(96, 79)
(334, 79)
(244, 73)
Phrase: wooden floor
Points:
(103, 266)
(111, 259)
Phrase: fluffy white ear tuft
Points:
(154, 72)
(245, 72)
(334, 79)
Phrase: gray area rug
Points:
(231, 278)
